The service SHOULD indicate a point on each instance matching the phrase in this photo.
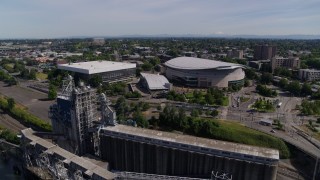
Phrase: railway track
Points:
(10, 123)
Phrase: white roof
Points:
(192, 63)
(93, 67)
(155, 81)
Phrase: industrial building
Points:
(197, 72)
(134, 149)
(84, 121)
(309, 74)
(109, 71)
(74, 114)
(49, 161)
(290, 62)
(155, 82)
(264, 52)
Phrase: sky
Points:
(69, 18)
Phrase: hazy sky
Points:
(65, 18)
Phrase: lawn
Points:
(244, 99)
(236, 132)
(41, 76)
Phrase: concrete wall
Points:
(134, 156)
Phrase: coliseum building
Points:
(198, 72)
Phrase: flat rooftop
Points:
(94, 67)
(196, 141)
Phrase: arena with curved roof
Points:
(199, 72)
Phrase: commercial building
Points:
(263, 52)
(110, 71)
(234, 53)
(199, 72)
(309, 74)
(155, 82)
(290, 62)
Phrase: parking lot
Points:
(36, 102)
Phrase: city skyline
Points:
(57, 19)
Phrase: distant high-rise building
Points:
(263, 52)
(234, 53)
(98, 41)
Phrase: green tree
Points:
(11, 103)
(283, 83)
(294, 87)
(52, 94)
(194, 113)
(95, 80)
(33, 74)
(140, 119)
(250, 73)
(306, 89)
(214, 113)
(266, 78)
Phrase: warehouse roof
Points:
(156, 81)
(94, 67)
(196, 141)
(191, 63)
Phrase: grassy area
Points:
(9, 136)
(190, 94)
(24, 116)
(307, 129)
(236, 132)
(211, 128)
(41, 76)
(225, 101)
(244, 99)
(11, 65)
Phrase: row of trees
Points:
(8, 105)
(14, 66)
(124, 110)
(7, 78)
(176, 119)
(213, 96)
(173, 119)
(265, 91)
(264, 105)
(295, 87)
(310, 108)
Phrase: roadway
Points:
(287, 115)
